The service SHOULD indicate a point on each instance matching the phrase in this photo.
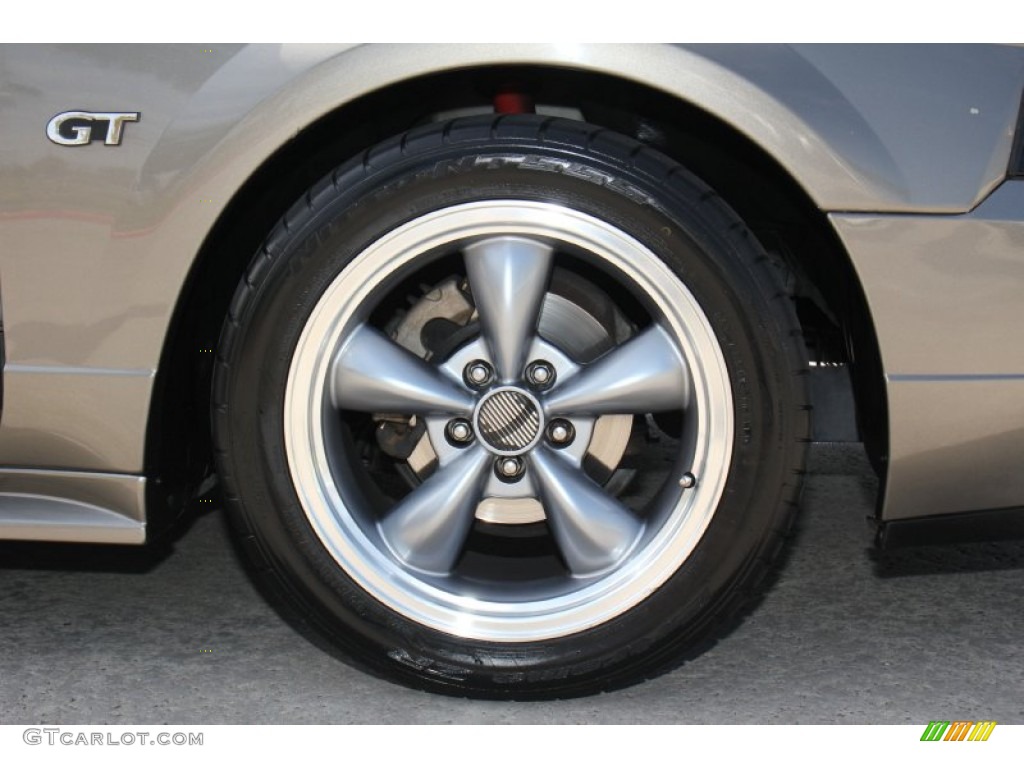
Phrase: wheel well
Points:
(830, 303)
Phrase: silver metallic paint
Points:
(72, 506)
(921, 127)
(121, 494)
(78, 418)
(946, 294)
(954, 446)
(48, 518)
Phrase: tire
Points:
(512, 408)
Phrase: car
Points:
(506, 360)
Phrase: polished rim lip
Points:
(345, 304)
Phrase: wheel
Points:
(512, 407)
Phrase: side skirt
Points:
(88, 507)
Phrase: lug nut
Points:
(509, 468)
(561, 433)
(478, 374)
(540, 374)
(458, 431)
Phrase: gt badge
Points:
(76, 128)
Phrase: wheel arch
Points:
(748, 175)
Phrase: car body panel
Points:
(944, 291)
(51, 505)
(68, 417)
(945, 295)
(98, 240)
(915, 128)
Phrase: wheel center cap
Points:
(508, 420)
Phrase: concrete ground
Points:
(846, 635)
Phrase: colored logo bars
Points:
(958, 730)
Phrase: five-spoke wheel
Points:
(511, 408)
(510, 414)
